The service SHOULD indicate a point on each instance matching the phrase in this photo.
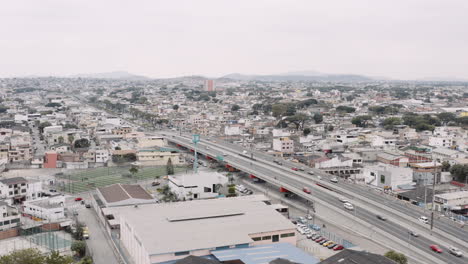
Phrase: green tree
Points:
(86, 260)
(133, 170)
(306, 131)
(397, 257)
(235, 108)
(318, 118)
(391, 122)
(53, 105)
(82, 143)
(446, 117)
(279, 109)
(169, 167)
(71, 139)
(175, 107)
(56, 258)
(24, 256)
(459, 172)
(446, 166)
(361, 121)
(79, 247)
(60, 140)
(78, 234)
(345, 109)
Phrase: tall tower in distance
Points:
(210, 86)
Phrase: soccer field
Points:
(88, 179)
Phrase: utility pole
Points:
(195, 140)
(433, 193)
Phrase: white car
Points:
(334, 179)
(348, 206)
(301, 231)
(310, 172)
(309, 217)
(343, 200)
(455, 251)
(423, 219)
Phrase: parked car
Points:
(306, 190)
(77, 199)
(436, 248)
(423, 219)
(317, 238)
(334, 180)
(338, 247)
(87, 205)
(323, 242)
(309, 217)
(455, 251)
(382, 217)
(315, 227)
(326, 244)
(155, 183)
(294, 169)
(85, 232)
(348, 206)
(320, 239)
(332, 245)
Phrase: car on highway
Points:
(343, 200)
(413, 233)
(77, 199)
(311, 172)
(306, 190)
(338, 247)
(423, 219)
(334, 180)
(294, 169)
(436, 248)
(455, 251)
(382, 217)
(301, 169)
(348, 206)
(88, 205)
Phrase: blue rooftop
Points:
(265, 253)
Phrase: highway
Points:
(357, 191)
(294, 182)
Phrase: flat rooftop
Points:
(265, 254)
(201, 224)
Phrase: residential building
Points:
(160, 156)
(49, 208)
(151, 141)
(393, 159)
(9, 216)
(283, 144)
(201, 185)
(425, 173)
(18, 189)
(438, 141)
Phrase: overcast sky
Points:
(403, 39)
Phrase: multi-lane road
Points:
(263, 167)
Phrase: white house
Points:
(280, 133)
(283, 144)
(102, 155)
(113, 120)
(197, 186)
(383, 141)
(50, 208)
(387, 176)
(232, 130)
(19, 189)
(446, 142)
(453, 200)
(335, 162)
(445, 154)
(9, 216)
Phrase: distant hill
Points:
(300, 76)
(111, 75)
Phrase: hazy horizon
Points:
(401, 39)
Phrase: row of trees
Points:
(34, 256)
